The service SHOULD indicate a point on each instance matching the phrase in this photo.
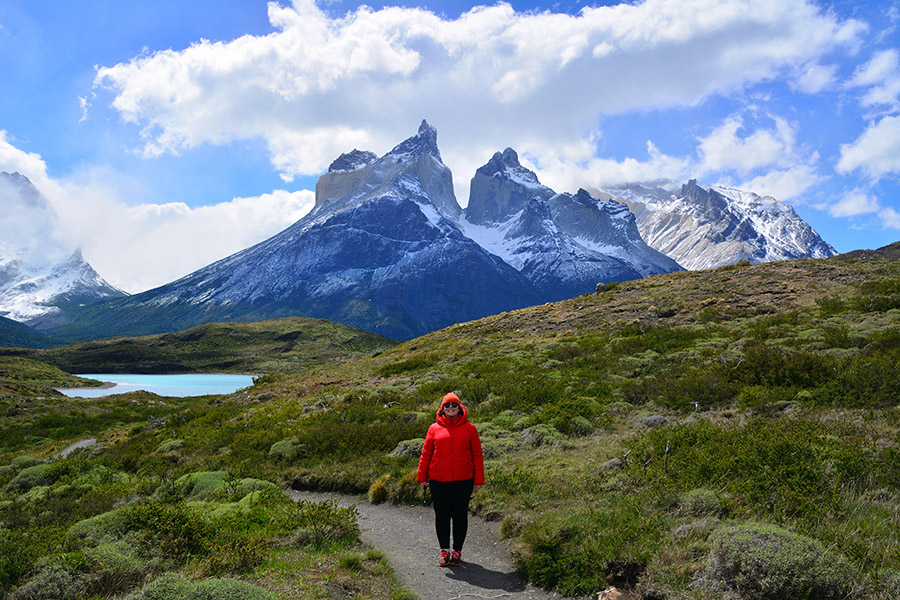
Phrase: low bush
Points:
(766, 562)
(701, 502)
(53, 582)
(378, 491)
(287, 450)
(28, 478)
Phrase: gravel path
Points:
(406, 535)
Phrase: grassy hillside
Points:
(15, 334)
(723, 434)
(280, 345)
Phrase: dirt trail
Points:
(406, 535)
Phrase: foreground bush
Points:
(766, 562)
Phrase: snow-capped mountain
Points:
(564, 244)
(40, 276)
(708, 227)
(387, 248)
(381, 250)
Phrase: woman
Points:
(453, 467)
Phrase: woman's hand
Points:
(424, 485)
(477, 487)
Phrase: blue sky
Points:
(168, 134)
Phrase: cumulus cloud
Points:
(815, 78)
(144, 246)
(859, 202)
(876, 152)
(133, 247)
(14, 160)
(855, 202)
(317, 86)
(890, 218)
(882, 76)
(784, 184)
(725, 149)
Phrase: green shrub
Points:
(579, 551)
(701, 502)
(233, 555)
(176, 530)
(408, 448)
(53, 582)
(543, 434)
(378, 491)
(409, 490)
(117, 566)
(170, 445)
(766, 562)
(318, 523)
(28, 478)
(21, 462)
(287, 450)
(102, 528)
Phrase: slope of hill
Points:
(17, 335)
(275, 346)
(714, 434)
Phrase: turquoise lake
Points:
(180, 386)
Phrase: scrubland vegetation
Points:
(724, 434)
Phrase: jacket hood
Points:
(463, 415)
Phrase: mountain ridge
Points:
(388, 249)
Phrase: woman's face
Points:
(451, 409)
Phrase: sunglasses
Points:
(451, 405)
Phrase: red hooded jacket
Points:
(452, 450)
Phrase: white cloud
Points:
(890, 218)
(882, 76)
(855, 202)
(725, 149)
(492, 78)
(816, 78)
(876, 152)
(143, 246)
(784, 184)
(14, 160)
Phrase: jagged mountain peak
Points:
(424, 142)
(412, 169)
(506, 164)
(352, 161)
(501, 188)
(704, 227)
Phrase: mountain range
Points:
(387, 248)
(40, 275)
(709, 227)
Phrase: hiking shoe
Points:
(445, 559)
(455, 559)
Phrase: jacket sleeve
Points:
(425, 458)
(477, 457)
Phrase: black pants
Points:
(451, 503)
